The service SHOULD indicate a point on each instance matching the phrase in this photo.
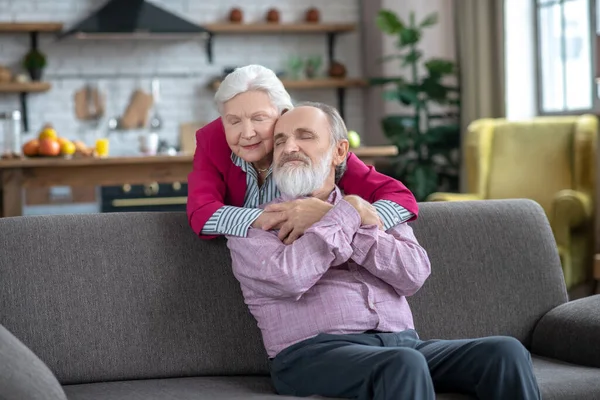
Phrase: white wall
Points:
(184, 98)
(438, 41)
(520, 57)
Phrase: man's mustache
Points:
(293, 157)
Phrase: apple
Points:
(353, 139)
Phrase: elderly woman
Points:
(231, 174)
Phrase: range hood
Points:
(133, 19)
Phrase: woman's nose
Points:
(248, 131)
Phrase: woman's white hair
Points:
(253, 77)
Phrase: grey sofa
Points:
(134, 306)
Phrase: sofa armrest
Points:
(22, 374)
(570, 332)
(571, 208)
(441, 196)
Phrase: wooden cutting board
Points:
(187, 136)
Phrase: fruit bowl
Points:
(49, 144)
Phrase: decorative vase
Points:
(35, 73)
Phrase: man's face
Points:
(304, 158)
(249, 119)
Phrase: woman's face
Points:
(249, 119)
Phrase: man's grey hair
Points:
(337, 130)
(253, 77)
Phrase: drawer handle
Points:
(157, 201)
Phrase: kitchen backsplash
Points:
(119, 67)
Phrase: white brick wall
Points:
(183, 99)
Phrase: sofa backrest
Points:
(137, 295)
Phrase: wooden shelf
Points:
(320, 83)
(26, 87)
(279, 28)
(25, 27)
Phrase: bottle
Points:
(10, 129)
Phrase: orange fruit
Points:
(67, 147)
(48, 133)
(31, 148)
(49, 147)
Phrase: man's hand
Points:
(300, 215)
(368, 213)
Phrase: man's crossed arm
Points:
(351, 229)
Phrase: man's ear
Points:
(340, 152)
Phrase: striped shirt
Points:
(235, 221)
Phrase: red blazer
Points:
(216, 181)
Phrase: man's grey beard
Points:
(301, 180)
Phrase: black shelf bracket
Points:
(331, 46)
(24, 116)
(341, 98)
(209, 48)
(33, 40)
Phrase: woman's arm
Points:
(394, 202)
(207, 214)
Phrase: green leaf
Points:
(388, 22)
(398, 129)
(443, 137)
(423, 180)
(407, 96)
(412, 57)
(409, 36)
(440, 67)
(429, 20)
(434, 90)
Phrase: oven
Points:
(149, 197)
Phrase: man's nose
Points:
(290, 146)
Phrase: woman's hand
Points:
(368, 213)
(269, 220)
(299, 215)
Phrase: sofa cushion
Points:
(562, 381)
(201, 388)
(22, 374)
(495, 269)
(557, 381)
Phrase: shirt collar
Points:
(245, 165)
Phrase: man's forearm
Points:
(395, 257)
(266, 265)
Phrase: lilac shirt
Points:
(337, 278)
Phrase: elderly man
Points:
(332, 305)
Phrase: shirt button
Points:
(371, 304)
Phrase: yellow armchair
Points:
(547, 159)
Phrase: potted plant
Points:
(428, 134)
(34, 62)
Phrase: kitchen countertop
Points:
(361, 152)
